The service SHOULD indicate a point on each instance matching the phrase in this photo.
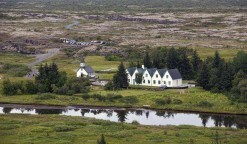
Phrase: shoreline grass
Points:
(18, 128)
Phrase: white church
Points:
(155, 77)
(85, 71)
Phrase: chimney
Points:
(143, 67)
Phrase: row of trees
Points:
(230, 77)
(172, 58)
(49, 80)
(214, 73)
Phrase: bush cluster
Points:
(15, 70)
(167, 100)
(205, 104)
(111, 98)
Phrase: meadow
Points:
(41, 129)
(189, 100)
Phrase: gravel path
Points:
(39, 59)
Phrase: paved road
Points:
(39, 59)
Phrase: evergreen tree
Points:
(172, 59)
(226, 78)
(216, 60)
(195, 61)
(156, 61)
(48, 76)
(203, 77)
(185, 67)
(147, 61)
(138, 65)
(240, 62)
(120, 79)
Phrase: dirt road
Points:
(39, 59)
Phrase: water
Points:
(142, 116)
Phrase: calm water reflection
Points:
(143, 116)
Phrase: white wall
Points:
(167, 79)
(147, 78)
(157, 78)
(78, 73)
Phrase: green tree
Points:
(48, 76)
(195, 61)
(240, 62)
(185, 67)
(102, 140)
(172, 58)
(203, 77)
(226, 78)
(216, 60)
(120, 79)
(147, 61)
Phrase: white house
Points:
(85, 71)
(155, 77)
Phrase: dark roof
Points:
(151, 71)
(162, 72)
(140, 70)
(131, 70)
(88, 69)
(175, 74)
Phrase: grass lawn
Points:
(99, 63)
(13, 58)
(190, 100)
(40, 129)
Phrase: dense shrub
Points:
(13, 88)
(85, 96)
(15, 70)
(177, 101)
(113, 97)
(205, 104)
(130, 100)
(45, 96)
(98, 97)
(160, 101)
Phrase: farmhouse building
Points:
(155, 77)
(85, 71)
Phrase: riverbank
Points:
(16, 128)
(190, 100)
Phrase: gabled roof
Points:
(162, 72)
(131, 70)
(140, 70)
(151, 71)
(88, 69)
(175, 74)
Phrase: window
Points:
(169, 82)
(148, 81)
(164, 82)
(129, 80)
(166, 76)
(156, 76)
(158, 82)
(146, 75)
(154, 81)
(143, 81)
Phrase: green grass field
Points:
(13, 58)
(50, 129)
(190, 100)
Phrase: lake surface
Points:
(142, 116)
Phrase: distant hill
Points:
(122, 5)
